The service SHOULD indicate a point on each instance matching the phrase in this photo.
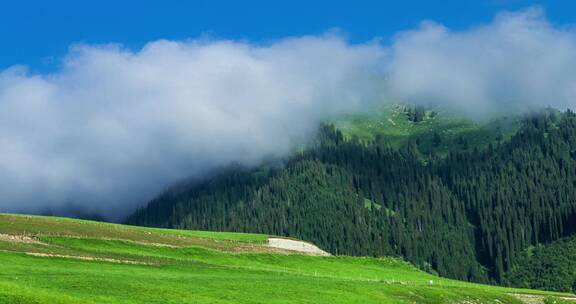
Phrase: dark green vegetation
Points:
(61, 261)
(464, 212)
(551, 266)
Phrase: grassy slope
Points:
(143, 265)
(392, 124)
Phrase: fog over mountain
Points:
(113, 127)
(516, 63)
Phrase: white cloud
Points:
(518, 62)
(114, 127)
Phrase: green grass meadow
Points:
(390, 123)
(57, 260)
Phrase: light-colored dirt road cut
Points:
(19, 239)
(538, 299)
(298, 246)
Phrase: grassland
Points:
(56, 260)
(456, 132)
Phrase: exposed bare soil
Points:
(85, 258)
(298, 246)
(19, 239)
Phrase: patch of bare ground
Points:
(123, 240)
(156, 244)
(474, 301)
(537, 299)
(85, 258)
(296, 246)
(260, 248)
(19, 239)
(529, 299)
(568, 298)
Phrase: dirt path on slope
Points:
(85, 258)
(298, 246)
(538, 299)
(19, 239)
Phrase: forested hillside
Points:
(466, 214)
(550, 267)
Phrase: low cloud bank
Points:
(113, 127)
(519, 62)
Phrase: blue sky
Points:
(39, 33)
